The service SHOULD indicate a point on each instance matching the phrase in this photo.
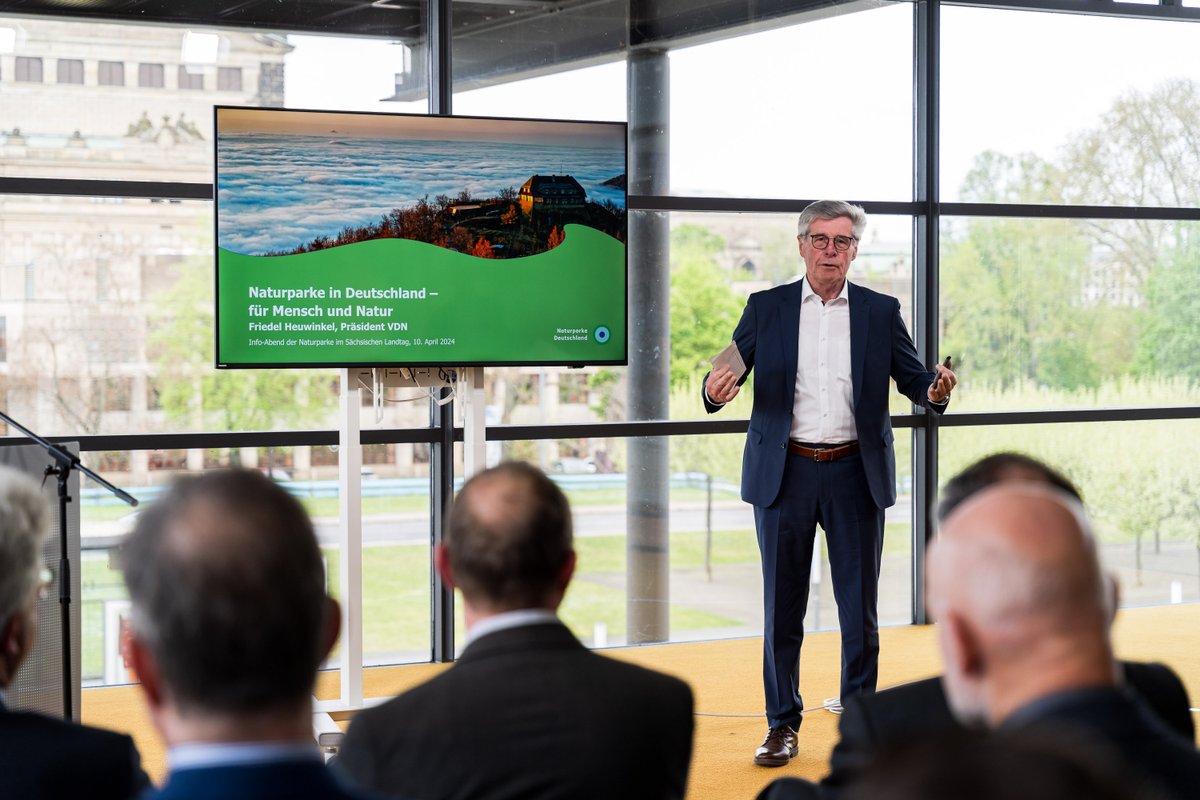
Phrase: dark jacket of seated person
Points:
(41, 757)
(49, 759)
(871, 724)
(527, 711)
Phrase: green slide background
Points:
(494, 310)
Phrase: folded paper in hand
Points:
(730, 357)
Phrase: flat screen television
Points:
(354, 239)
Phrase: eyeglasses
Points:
(821, 241)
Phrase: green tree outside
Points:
(704, 310)
(1072, 304)
(1169, 339)
(195, 394)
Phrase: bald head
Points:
(1015, 579)
(1019, 553)
(508, 539)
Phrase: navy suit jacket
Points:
(880, 350)
(276, 780)
(42, 757)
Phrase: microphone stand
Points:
(65, 461)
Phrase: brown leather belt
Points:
(824, 453)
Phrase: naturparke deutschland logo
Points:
(602, 334)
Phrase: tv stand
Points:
(469, 382)
(409, 377)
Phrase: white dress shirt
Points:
(512, 619)
(823, 409)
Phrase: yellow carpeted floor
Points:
(726, 678)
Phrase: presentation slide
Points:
(350, 239)
(390, 300)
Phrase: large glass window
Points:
(1037, 312)
(160, 129)
(1051, 313)
(395, 505)
(710, 580)
(155, 322)
(759, 114)
(496, 54)
(1142, 504)
(716, 261)
(351, 74)
(589, 93)
(396, 551)
(1114, 111)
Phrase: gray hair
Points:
(833, 209)
(228, 593)
(24, 513)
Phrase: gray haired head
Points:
(832, 209)
(24, 513)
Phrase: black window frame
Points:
(925, 210)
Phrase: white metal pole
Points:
(474, 424)
(350, 540)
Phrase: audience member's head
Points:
(996, 468)
(1014, 580)
(23, 527)
(1006, 766)
(508, 541)
(230, 616)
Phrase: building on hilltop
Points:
(551, 193)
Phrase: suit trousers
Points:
(834, 495)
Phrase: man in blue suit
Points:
(230, 622)
(819, 451)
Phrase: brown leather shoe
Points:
(778, 748)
